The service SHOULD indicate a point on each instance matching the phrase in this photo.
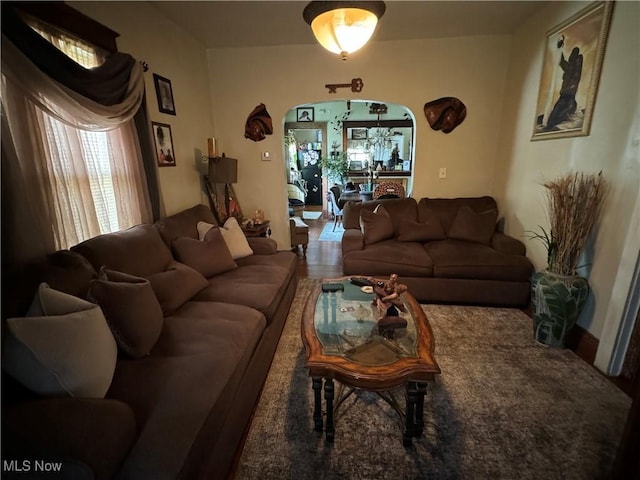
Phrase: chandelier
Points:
(343, 27)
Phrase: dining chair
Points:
(387, 189)
(337, 211)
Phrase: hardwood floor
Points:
(324, 259)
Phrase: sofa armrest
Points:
(96, 432)
(352, 240)
(262, 245)
(506, 244)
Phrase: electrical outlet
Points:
(443, 173)
(266, 156)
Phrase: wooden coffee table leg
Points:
(412, 396)
(419, 427)
(328, 397)
(317, 408)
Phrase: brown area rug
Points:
(503, 408)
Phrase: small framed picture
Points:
(305, 114)
(406, 165)
(163, 142)
(359, 134)
(164, 93)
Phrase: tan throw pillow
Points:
(376, 225)
(473, 227)
(428, 231)
(177, 285)
(210, 257)
(131, 309)
(62, 347)
(235, 239)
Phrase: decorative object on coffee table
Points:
(388, 295)
(558, 293)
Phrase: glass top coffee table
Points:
(344, 342)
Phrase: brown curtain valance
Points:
(106, 84)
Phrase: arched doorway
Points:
(372, 141)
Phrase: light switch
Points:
(443, 173)
(266, 156)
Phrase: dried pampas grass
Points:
(574, 202)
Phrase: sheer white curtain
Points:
(79, 162)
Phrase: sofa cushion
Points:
(172, 392)
(376, 225)
(97, 433)
(138, 251)
(473, 227)
(260, 282)
(390, 256)
(209, 257)
(131, 308)
(446, 209)
(427, 231)
(62, 347)
(176, 285)
(66, 272)
(398, 209)
(183, 224)
(461, 259)
(63, 270)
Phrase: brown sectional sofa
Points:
(444, 250)
(181, 411)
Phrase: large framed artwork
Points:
(165, 154)
(570, 73)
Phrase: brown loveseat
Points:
(444, 250)
(181, 411)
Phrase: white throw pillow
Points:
(233, 236)
(62, 347)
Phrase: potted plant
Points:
(558, 293)
(335, 166)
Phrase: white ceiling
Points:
(268, 23)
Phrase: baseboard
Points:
(583, 344)
(579, 340)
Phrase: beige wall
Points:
(172, 53)
(409, 73)
(611, 147)
(490, 153)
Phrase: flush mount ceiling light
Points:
(343, 27)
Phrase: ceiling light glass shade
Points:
(343, 27)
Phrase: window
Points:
(90, 182)
(82, 52)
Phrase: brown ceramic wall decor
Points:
(445, 113)
(258, 124)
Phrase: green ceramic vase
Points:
(557, 301)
